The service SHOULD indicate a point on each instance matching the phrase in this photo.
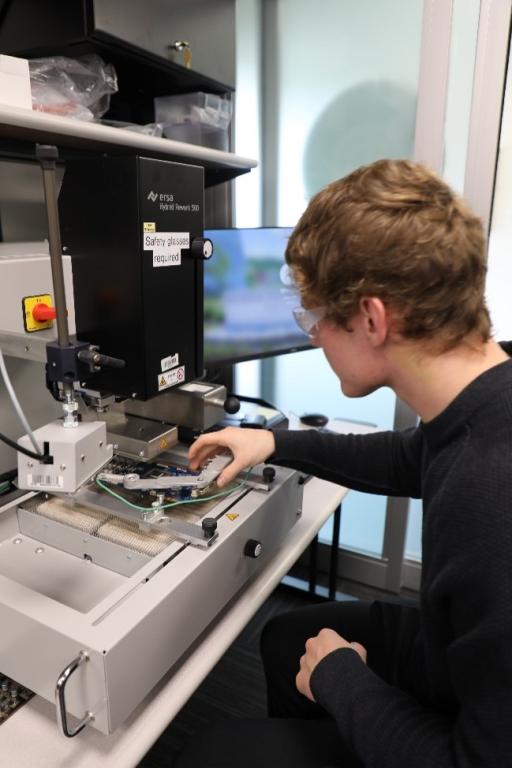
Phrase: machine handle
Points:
(92, 357)
(60, 701)
(111, 362)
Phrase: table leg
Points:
(335, 543)
(313, 552)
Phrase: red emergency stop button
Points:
(43, 312)
(38, 312)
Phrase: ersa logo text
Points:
(164, 199)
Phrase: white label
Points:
(193, 387)
(166, 247)
(171, 378)
(45, 481)
(170, 362)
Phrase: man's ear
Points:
(376, 319)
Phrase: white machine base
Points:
(59, 601)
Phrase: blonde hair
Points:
(394, 230)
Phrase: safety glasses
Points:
(308, 319)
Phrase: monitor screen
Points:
(248, 300)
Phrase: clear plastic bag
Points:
(150, 129)
(79, 88)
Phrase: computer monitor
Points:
(248, 299)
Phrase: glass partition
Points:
(346, 84)
(338, 89)
(464, 35)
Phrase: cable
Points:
(174, 503)
(17, 406)
(39, 456)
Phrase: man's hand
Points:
(248, 446)
(318, 648)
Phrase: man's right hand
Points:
(248, 446)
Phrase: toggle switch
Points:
(38, 312)
(43, 312)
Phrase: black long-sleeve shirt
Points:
(460, 464)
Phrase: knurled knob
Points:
(269, 474)
(209, 526)
(253, 548)
(201, 248)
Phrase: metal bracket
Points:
(198, 481)
(151, 519)
(190, 533)
(60, 702)
(254, 480)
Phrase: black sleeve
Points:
(382, 725)
(387, 463)
(471, 574)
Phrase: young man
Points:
(390, 266)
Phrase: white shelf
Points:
(27, 125)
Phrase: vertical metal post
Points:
(433, 83)
(397, 513)
(487, 105)
(48, 156)
(270, 147)
(270, 110)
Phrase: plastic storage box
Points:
(196, 118)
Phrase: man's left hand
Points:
(318, 648)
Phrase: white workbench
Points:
(30, 739)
